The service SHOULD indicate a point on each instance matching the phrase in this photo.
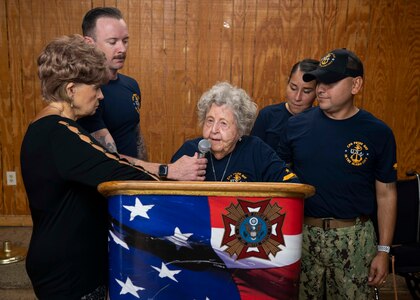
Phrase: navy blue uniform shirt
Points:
(270, 123)
(252, 160)
(119, 112)
(341, 159)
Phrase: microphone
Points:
(204, 146)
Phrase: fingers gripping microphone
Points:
(204, 146)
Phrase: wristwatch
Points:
(383, 248)
(163, 171)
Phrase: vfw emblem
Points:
(253, 229)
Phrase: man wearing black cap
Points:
(350, 158)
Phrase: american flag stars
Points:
(138, 210)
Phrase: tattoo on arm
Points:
(111, 147)
(141, 147)
(105, 139)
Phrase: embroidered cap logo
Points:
(327, 60)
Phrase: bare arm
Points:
(105, 139)
(187, 168)
(148, 166)
(386, 197)
(141, 147)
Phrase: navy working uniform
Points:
(341, 159)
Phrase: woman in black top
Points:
(62, 166)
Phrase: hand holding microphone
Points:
(204, 146)
(189, 167)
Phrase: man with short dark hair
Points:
(349, 156)
(116, 123)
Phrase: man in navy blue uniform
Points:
(116, 123)
(349, 156)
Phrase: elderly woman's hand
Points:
(188, 168)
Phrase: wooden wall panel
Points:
(248, 46)
(404, 114)
(13, 113)
(237, 28)
(5, 79)
(180, 48)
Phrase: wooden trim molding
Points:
(21, 220)
(207, 188)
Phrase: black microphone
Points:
(204, 146)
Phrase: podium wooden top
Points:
(207, 188)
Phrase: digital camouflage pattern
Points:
(337, 261)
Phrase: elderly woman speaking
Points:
(227, 114)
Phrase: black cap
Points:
(335, 66)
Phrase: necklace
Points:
(214, 171)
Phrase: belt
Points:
(331, 223)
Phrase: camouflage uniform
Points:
(337, 260)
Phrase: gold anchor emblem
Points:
(357, 155)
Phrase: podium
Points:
(204, 240)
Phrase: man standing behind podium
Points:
(116, 123)
(350, 158)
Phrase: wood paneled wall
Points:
(180, 48)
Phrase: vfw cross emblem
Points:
(253, 229)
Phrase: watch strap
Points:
(383, 248)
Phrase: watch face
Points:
(163, 170)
